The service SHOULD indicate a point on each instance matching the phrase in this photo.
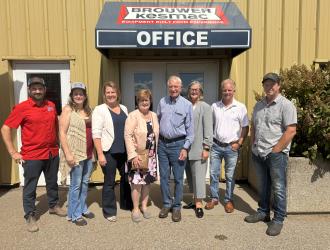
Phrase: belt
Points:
(172, 139)
(221, 144)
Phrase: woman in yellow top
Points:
(141, 135)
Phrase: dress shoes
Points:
(199, 212)
(229, 207)
(164, 212)
(210, 205)
(190, 205)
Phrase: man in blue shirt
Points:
(175, 116)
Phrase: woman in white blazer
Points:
(108, 122)
(199, 152)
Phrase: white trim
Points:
(20, 70)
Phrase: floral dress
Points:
(141, 176)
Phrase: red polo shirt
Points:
(39, 126)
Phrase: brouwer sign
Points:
(171, 15)
(168, 26)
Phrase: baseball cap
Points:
(78, 85)
(36, 80)
(271, 76)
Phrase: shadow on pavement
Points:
(7, 188)
(42, 201)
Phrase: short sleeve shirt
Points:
(228, 121)
(270, 122)
(39, 127)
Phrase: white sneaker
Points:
(112, 218)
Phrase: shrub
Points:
(309, 90)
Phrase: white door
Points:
(57, 78)
(154, 75)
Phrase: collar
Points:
(173, 100)
(233, 104)
(276, 100)
(34, 104)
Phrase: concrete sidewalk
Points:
(217, 230)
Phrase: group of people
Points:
(182, 134)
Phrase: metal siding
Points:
(283, 32)
(76, 38)
(290, 33)
(307, 31)
(3, 28)
(56, 28)
(323, 40)
(36, 27)
(93, 57)
(273, 35)
(255, 62)
(18, 27)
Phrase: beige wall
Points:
(284, 32)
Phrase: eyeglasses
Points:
(194, 90)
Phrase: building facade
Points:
(57, 39)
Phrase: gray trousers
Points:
(195, 172)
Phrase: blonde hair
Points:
(113, 85)
(232, 82)
(143, 93)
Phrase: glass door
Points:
(137, 75)
(206, 73)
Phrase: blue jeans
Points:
(79, 178)
(168, 156)
(217, 155)
(271, 177)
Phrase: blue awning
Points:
(172, 26)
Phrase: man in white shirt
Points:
(230, 127)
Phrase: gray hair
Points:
(201, 91)
(174, 78)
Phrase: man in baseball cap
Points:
(37, 118)
(36, 80)
(271, 76)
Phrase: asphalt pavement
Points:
(216, 230)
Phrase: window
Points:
(53, 85)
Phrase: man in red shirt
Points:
(39, 153)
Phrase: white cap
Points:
(78, 85)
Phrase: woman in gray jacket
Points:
(199, 152)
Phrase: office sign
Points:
(165, 25)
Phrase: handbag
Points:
(144, 156)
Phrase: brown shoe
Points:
(176, 215)
(31, 223)
(164, 212)
(210, 205)
(229, 207)
(58, 211)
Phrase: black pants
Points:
(32, 172)
(109, 205)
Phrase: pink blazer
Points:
(136, 132)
